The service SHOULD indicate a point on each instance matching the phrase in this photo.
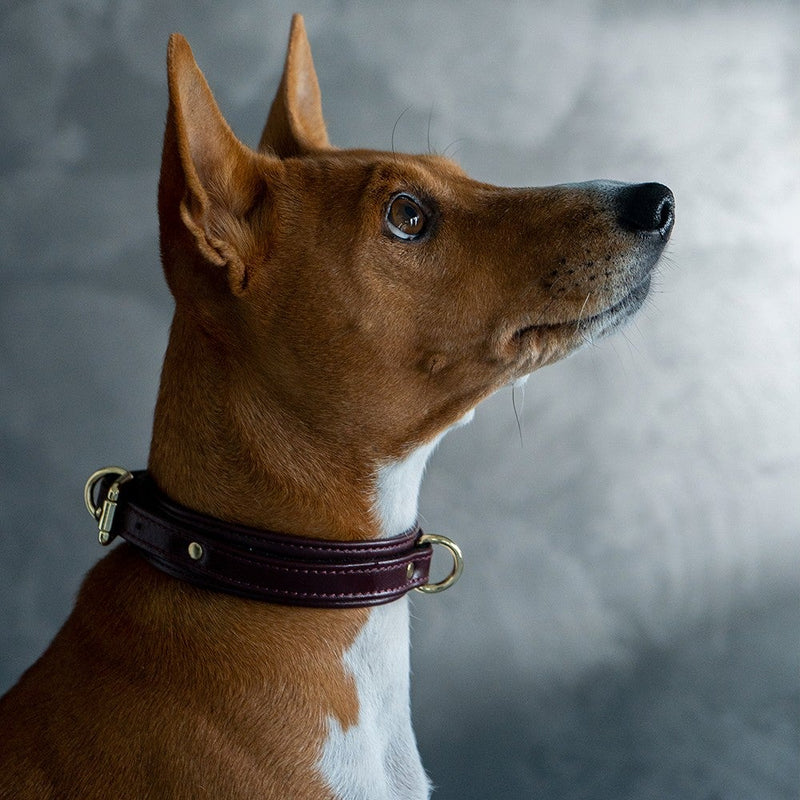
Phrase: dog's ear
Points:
(295, 124)
(209, 181)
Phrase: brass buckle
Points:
(104, 512)
(458, 563)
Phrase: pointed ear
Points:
(209, 180)
(295, 124)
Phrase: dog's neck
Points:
(295, 486)
(247, 460)
(220, 450)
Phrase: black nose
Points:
(646, 208)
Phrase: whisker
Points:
(583, 307)
(580, 314)
(517, 412)
(452, 144)
(394, 127)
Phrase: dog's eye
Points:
(405, 217)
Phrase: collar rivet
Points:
(195, 551)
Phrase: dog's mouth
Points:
(594, 326)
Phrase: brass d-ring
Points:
(104, 513)
(458, 563)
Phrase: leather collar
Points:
(254, 563)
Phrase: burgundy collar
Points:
(258, 564)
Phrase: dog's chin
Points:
(615, 315)
(545, 343)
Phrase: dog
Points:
(336, 312)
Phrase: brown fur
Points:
(308, 348)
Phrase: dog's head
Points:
(376, 296)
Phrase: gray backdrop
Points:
(627, 626)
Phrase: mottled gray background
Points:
(627, 626)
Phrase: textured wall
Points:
(627, 624)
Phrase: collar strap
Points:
(258, 564)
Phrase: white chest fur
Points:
(377, 759)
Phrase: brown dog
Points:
(336, 312)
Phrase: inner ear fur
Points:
(210, 182)
(295, 124)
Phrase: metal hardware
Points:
(104, 512)
(195, 551)
(458, 563)
(410, 571)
